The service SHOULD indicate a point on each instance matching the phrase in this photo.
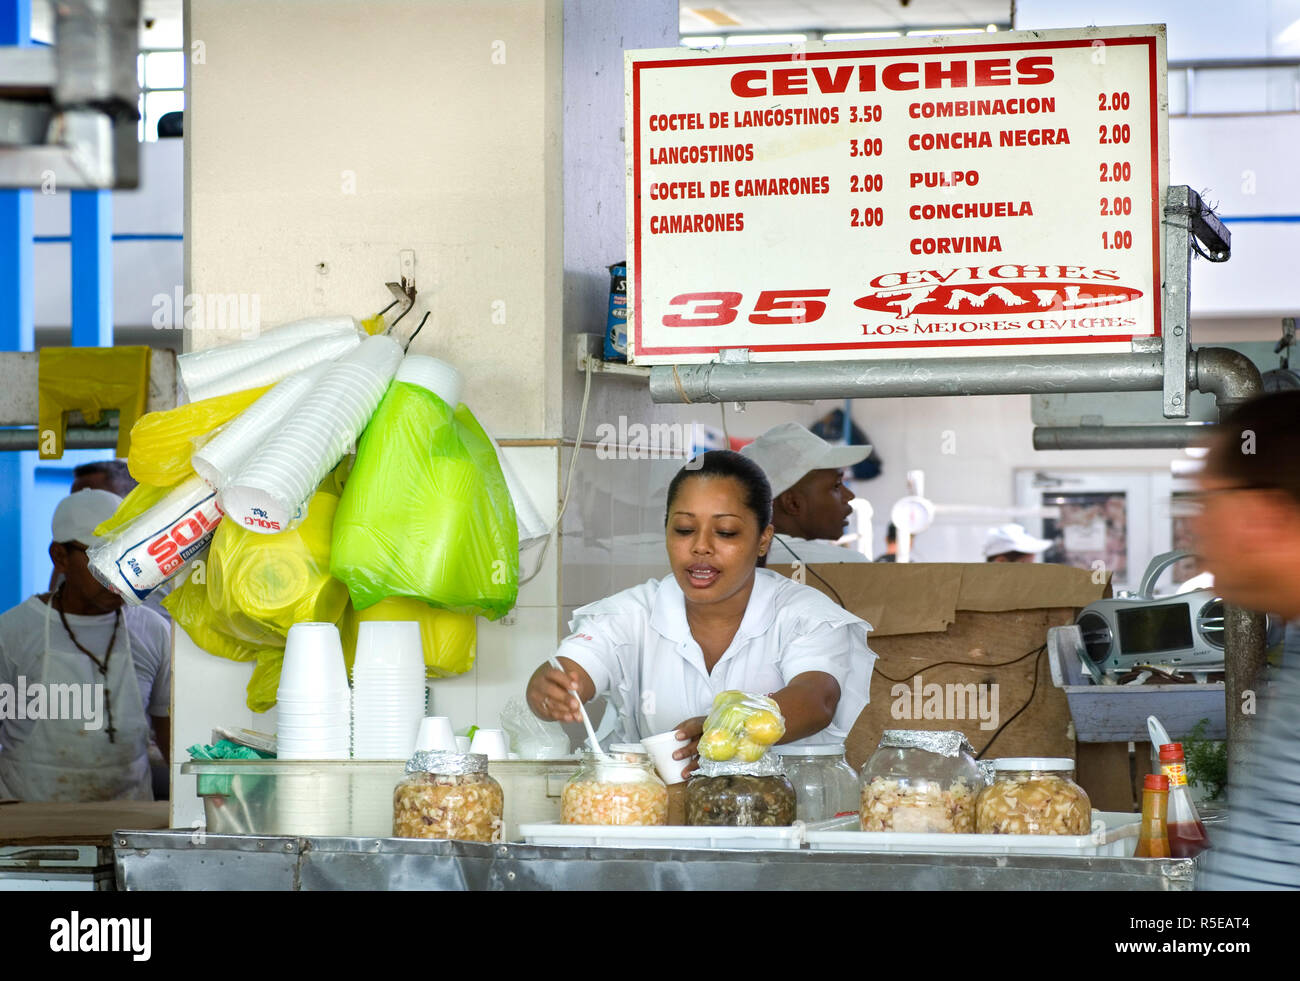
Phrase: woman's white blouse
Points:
(637, 647)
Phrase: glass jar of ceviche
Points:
(921, 782)
(448, 795)
(1033, 796)
(620, 789)
(740, 800)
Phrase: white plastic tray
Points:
(747, 839)
(1113, 833)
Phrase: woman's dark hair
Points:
(1260, 444)
(725, 463)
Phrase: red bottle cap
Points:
(1171, 753)
(1156, 781)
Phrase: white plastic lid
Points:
(822, 749)
(439, 377)
(1033, 763)
(626, 748)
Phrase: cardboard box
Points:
(959, 646)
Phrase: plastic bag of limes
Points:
(741, 727)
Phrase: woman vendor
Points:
(718, 622)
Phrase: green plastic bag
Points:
(426, 513)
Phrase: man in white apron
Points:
(80, 677)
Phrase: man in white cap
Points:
(1011, 543)
(81, 677)
(810, 503)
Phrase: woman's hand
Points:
(691, 729)
(551, 692)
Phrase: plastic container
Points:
(1113, 834)
(448, 795)
(740, 801)
(621, 790)
(825, 785)
(920, 782)
(1033, 796)
(673, 836)
(1187, 834)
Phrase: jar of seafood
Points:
(448, 795)
(1033, 796)
(618, 789)
(924, 782)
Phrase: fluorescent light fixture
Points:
(862, 36)
(945, 33)
(768, 39)
(1197, 452)
(992, 29)
(703, 42)
(714, 16)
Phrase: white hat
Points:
(789, 451)
(77, 516)
(1013, 538)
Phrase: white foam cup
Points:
(661, 749)
(313, 665)
(490, 742)
(435, 735)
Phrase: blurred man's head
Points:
(72, 534)
(108, 475)
(1011, 543)
(1248, 529)
(809, 498)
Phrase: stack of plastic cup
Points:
(203, 371)
(278, 366)
(219, 459)
(313, 703)
(388, 690)
(275, 483)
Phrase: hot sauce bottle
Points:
(1187, 836)
(1153, 839)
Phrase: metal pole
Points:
(17, 332)
(1117, 437)
(92, 268)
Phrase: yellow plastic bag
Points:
(188, 604)
(89, 380)
(261, 585)
(449, 639)
(264, 685)
(163, 442)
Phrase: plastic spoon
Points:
(591, 733)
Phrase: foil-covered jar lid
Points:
(447, 764)
(767, 765)
(940, 743)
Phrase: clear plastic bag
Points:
(163, 442)
(740, 728)
(426, 513)
(530, 737)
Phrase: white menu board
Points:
(968, 195)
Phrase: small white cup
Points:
(490, 742)
(661, 749)
(313, 666)
(462, 744)
(436, 735)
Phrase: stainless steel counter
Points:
(160, 860)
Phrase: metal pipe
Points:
(782, 381)
(1155, 437)
(1228, 375)
(76, 438)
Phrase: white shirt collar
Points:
(668, 616)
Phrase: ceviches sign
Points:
(917, 197)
